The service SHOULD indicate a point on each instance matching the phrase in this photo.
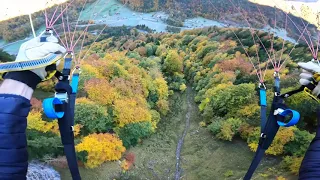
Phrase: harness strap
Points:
(266, 138)
(270, 127)
(263, 108)
(255, 163)
(64, 102)
(66, 123)
(62, 107)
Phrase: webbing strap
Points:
(267, 136)
(263, 108)
(67, 121)
(254, 164)
(75, 83)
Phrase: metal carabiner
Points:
(263, 85)
(76, 70)
(276, 74)
(70, 53)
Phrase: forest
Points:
(128, 78)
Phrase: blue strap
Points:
(293, 121)
(67, 136)
(263, 108)
(263, 97)
(67, 63)
(75, 83)
(66, 120)
(277, 84)
(49, 110)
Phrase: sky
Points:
(12, 8)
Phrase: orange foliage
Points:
(142, 51)
(130, 87)
(100, 91)
(233, 65)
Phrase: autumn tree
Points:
(100, 148)
(173, 62)
(100, 91)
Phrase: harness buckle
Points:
(276, 74)
(278, 111)
(262, 84)
(76, 70)
(62, 96)
(263, 136)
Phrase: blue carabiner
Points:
(49, 110)
(293, 121)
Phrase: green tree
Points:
(173, 62)
(94, 118)
(131, 133)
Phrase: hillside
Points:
(236, 13)
(178, 105)
(136, 72)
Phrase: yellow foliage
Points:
(292, 163)
(202, 124)
(263, 175)
(115, 56)
(283, 136)
(155, 119)
(100, 91)
(89, 69)
(183, 87)
(247, 111)
(253, 146)
(125, 165)
(162, 88)
(77, 129)
(130, 110)
(83, 100)
(35, 122)
(281, 178)
(101, 148)
(216, 90)
(226, 133)
(203, 104)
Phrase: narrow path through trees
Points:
(181, 140)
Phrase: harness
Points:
(62, 106)
(271, 124)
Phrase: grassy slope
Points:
(203, 156)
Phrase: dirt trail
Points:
(181, 140)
